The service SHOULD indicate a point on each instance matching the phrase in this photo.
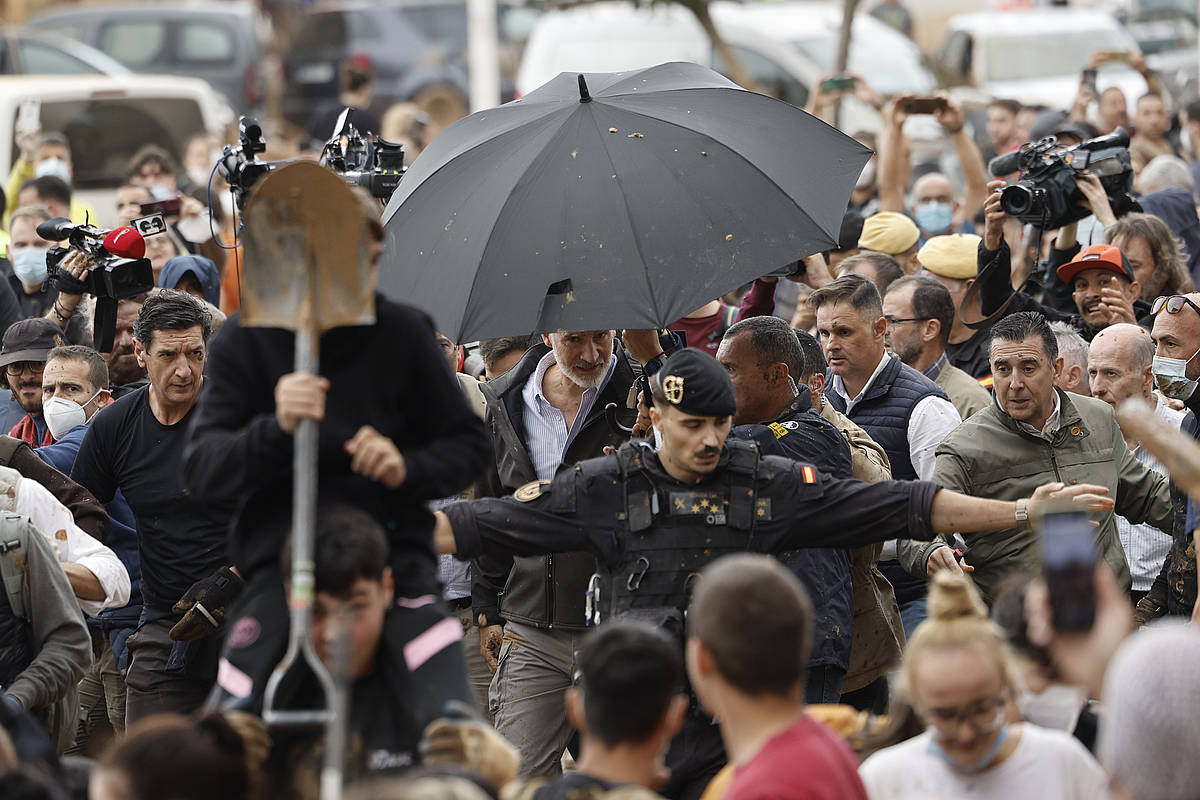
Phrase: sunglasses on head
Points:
(1173, 304)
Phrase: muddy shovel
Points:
(307, 270)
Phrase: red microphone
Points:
(125, 243)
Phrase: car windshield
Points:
(890, 68)
(1033, 55)
(104, 133)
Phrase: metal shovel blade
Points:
(307, 264)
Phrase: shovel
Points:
(307, 270)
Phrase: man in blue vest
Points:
(902, 410)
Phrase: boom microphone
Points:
(124, 243)
(1005, 164)
(55, 230)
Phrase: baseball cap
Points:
(29, 340)
(952, 255)
(888, 232)
(1098, 256)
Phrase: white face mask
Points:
(1170, 377)
(1057, 707)
(29, 264)
(658, 439)
(198, 176)
(866, 178)
(62, 415)
(55, 167)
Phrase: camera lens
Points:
(1017, 200)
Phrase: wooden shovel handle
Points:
(1178, 452)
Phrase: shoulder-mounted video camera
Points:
(119, 268)
(1046, 195)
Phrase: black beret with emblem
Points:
(693, 381)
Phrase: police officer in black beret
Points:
(655, 518)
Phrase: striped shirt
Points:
(1145, 545)
(546, 434)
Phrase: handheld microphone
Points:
(55, 230)
(125, 243)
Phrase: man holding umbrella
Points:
(653, 519)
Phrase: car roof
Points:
(101, 61)
(155, 9)
(1037, 20)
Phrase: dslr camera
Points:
(119, 268)
(1046, 195)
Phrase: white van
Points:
(786, 46)
(106, 119)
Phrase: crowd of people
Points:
(796, 551)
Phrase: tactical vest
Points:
(671, 534)
(16, 635)
(885, 411)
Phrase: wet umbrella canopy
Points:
(612, 200)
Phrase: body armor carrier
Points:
(672, 533)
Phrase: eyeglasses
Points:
(18, 367)
(982, 716)
(1173, 304)
(897, 321)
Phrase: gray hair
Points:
(1071, 346)
(1164, 172)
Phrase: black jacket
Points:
(995, 286)
(390, 375)
(800, 433)
(544, 591)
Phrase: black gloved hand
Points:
(204, 605)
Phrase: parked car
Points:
(106, 119)
(31, 52)
(407, 65)
(1038, 56)
(785, 46)
(217, 41)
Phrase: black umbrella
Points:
(612, 200)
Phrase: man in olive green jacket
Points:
(1034, 433)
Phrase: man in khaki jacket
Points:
(1031, 434)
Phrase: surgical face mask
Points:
(1170, 376)
(985, 761)
(866, 178)
(160, 192)
(62, 415)
(1057, 707)
(29, 264)
(55, 167)
(934, 216)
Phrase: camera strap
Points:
(1031, 283)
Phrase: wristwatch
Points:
(1022, 510)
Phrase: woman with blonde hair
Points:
(959, 676)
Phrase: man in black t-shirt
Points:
(136, 445)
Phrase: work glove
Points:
(205, 604)
(472, 745)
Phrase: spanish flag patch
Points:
(986, 382)
(810, 474)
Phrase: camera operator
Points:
(1103, 294)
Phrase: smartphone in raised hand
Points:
(1068, 543)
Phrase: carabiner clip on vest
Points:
(591, 608)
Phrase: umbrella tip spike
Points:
(584, 95)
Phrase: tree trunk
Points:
(737, 72)
(843, 51)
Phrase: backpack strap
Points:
(14, 545)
